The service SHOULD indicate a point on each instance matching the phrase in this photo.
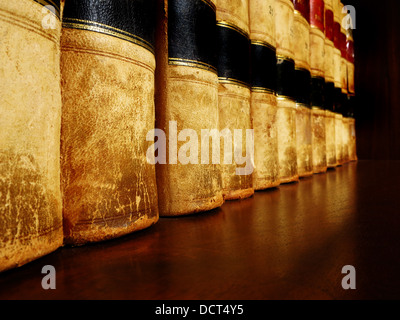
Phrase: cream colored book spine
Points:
(302, 86)
(187, 99)
(263, 98)
(317, 61)
(286, 114)
(30, 108)
(107, 69)
(234, 92)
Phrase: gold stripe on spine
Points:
(226, 24)
(282, 57)
(233, 81)
(282, 97)
(106, 29)
(191, 63)
(210, 4)
(264, 44)
(262, 90)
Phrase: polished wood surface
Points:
(287, 243)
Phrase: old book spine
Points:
(329, 86)
(187, 95)
(352, 139)
(233, 52)
(286, 113)
(263, 98)
(351, 96)
(343, 72)
(317, 60)
(30, 107)
(337, 93)
(302, 86)
(107, 67)
(350, 62)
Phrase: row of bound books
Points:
(103, 103)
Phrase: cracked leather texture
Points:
(30, 106)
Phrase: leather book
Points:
(263, 98)
(30, 108)
(337, 91)
(234, 94)
(329, 89)
(302, 87)
(187, 99)
(107, 69)
(343, 72)
(317, 61)
(286, 101)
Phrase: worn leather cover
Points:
(343, 51)
(350, 62)
(317, 61)
(339, 138)
(352, 140)
(187, 92)
(30, 108)
(318, 127)
(234, 93)
(329, 85)
(107, 64)
(345, 139)
(330, 139)
(302, 87)
(263, 98)
(286, 114)
(304, 141)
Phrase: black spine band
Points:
(263, 67)
(233, 51)
(132, 21)
(192, 34)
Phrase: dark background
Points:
(377, 78)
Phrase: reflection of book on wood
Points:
(234, 86)
(187, 92)
(30, 108)
(286, 113)
(107, 65)
(263, 98)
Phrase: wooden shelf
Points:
(286, 243)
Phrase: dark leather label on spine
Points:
(133, 21)
(317, 92)
(342, 41)
(285, 76)
(303, 6)
(233, 54)
(329, 95)
(192, 34)
(329, 22)
(263, 67)
(350, 50)
(337, 100)
(54, 3)
(317, 14)
(302, 88)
